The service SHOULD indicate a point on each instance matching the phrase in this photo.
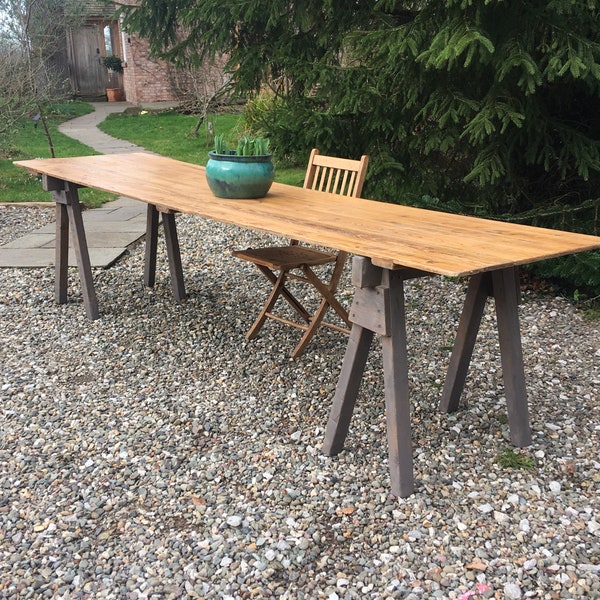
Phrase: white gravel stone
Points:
(155, 453)
(555, 487)
(512, 591)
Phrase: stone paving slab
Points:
(95, 239)
(109, 231)
(137, 226)
(132, 213)
(32, 241)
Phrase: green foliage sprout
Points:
(246, 146)
(509, 459)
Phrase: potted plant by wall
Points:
(246, 172)
(114, 66)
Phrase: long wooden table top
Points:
(390, 234)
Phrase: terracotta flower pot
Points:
(114, 94)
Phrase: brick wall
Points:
(150, 80)
(144, 79)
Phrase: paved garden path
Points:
(110, 229)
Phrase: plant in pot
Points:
(114, 66)
(246, 172)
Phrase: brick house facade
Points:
(143, 79)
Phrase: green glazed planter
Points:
(233, 176)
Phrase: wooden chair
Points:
(294, 261)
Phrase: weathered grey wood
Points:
(370, 309)
(355, 358)
(82, 255)
(174, 256)
(364, 273)
(478, 291)
(151, 246)
(391, 312)
(503, 284)
(517, 277)
(397, 406)
(61, 248)
(382, 309)
(509, 333)
(53, 184)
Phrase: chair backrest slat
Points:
(335, 188)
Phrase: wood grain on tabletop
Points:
(391, 234)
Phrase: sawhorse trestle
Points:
(379, 307)
(173, 251)
(68, 216)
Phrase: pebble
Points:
(512, 592)
(155, 453)
(555, 487)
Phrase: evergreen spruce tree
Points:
(485, 107)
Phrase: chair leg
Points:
(287, 295)
(328, 300)
(262, 316)
(312, 329)
(327, 292)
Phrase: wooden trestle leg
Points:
(511, 352)
(68, 216)
(480, 287)
(61, 251)
(346, 392)
(502, 285)
(151, 246)
(378, 307)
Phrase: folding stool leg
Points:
(262, 317)
(311, 330)
(327, 293)
(291, 299)
(328, 300)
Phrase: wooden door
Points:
(88, 75)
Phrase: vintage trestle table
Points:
(391, 242)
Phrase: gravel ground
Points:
(154, 453)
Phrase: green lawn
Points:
(167, 133)
(17, 184)
(171, 134)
